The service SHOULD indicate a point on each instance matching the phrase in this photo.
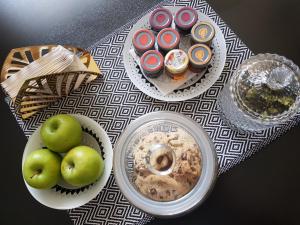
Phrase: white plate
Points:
(65, 196)
(217, 63)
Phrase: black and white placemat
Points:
(113, 101)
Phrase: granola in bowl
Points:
(185, 171)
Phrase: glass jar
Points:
(165, 164)
(263, 91)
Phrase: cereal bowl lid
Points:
(165, 164)
(266, 87)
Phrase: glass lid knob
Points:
(160, 159)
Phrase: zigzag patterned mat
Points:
(113, 101)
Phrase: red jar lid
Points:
(160, 18)
(143, 40)
(152, 61)
(168, 38)
(186, 17)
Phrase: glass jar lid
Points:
(164, 163)
(266, 87)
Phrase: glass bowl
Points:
(263, 91)
(266, 87)
(165, 164)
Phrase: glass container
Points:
(263, 92)
(165, 164)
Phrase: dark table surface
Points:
(262, 190)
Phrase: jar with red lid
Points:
(143, 40)
(160, 18)
(185, 19)
(152, 63)
(168, 39)
(203, 33)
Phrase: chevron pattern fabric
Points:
(113, 101)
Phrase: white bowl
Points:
(64, 196)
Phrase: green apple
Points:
(81, 166)
(60, 133)
(41, 169)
